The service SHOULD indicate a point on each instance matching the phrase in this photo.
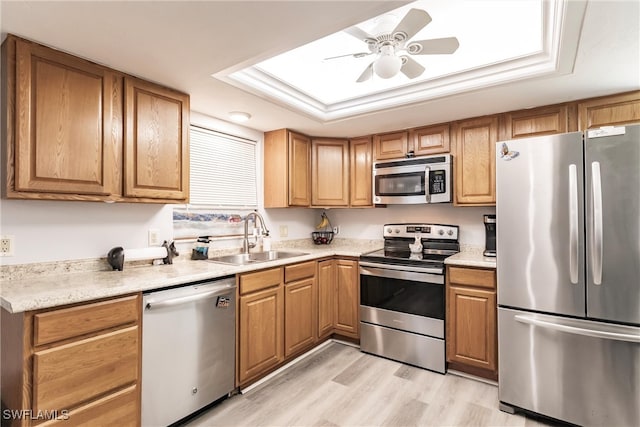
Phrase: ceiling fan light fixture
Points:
(388, 64)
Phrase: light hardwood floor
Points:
(340, 386)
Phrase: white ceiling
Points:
(181, 43)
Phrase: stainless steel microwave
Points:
(413, 181)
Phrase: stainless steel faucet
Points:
(263, 230)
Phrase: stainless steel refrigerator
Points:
(568, 256)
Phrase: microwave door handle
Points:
(427, 189)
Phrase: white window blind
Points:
(223, 170)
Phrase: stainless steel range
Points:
(402, 295)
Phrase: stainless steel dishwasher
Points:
(188, 349)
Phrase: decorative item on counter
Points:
(115, 258)
(416, 246)
(171, 252)
(201, 251)
(325, 235)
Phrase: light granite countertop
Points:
(471, 257)
(45, 291)
(41, 290)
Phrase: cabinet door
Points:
(535, 122)
(261, 326)
(475, 161)
(330, 172)
(68, 135)
(347, 298)
(360, 172)
(156, 155)
(430, 140)
(390, 145)
(299, 316)
(472, 327)
(326, 297)
(609, 111)
(299, 170)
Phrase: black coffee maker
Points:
(490, 235)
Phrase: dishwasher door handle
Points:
(188, 298)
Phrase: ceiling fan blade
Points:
(410, 67)
(355, 55)
(366, 74)
(413, 21)
(433, 46)
(358, 33)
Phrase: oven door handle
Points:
(401, 274)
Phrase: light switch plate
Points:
(154, 237)
(284, 231)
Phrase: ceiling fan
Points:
(394, 47)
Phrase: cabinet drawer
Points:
(68, 375)
(472, 277)
(299, 271)
(252, 282)
(71, 322)
(117, 409)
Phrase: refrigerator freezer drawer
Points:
(579, 371)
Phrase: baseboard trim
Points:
(472, 377)
(289, 364)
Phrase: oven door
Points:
(406, 300)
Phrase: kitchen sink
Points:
(243, 259)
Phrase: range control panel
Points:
(426, 231)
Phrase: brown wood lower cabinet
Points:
(326, 297)
(261, 331)
(300, 308)
(81, 363)
(472, 344)
(347, 303)
(285, 311)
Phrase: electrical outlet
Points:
(336, 229)
(6, 246)
(154, 237)
(284, 231)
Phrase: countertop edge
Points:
(143, 279)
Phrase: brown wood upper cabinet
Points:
(64, 120)
(287, 169)
(475, 161)
(393, 145)
(536, 122)
(156, 140)
(360, 172)
(330, 172)
(429, 140)
(609, 111)
(67, 135)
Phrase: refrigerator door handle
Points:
(576, 330)
(573, 223)
(596, 242)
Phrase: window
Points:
(223, 170)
